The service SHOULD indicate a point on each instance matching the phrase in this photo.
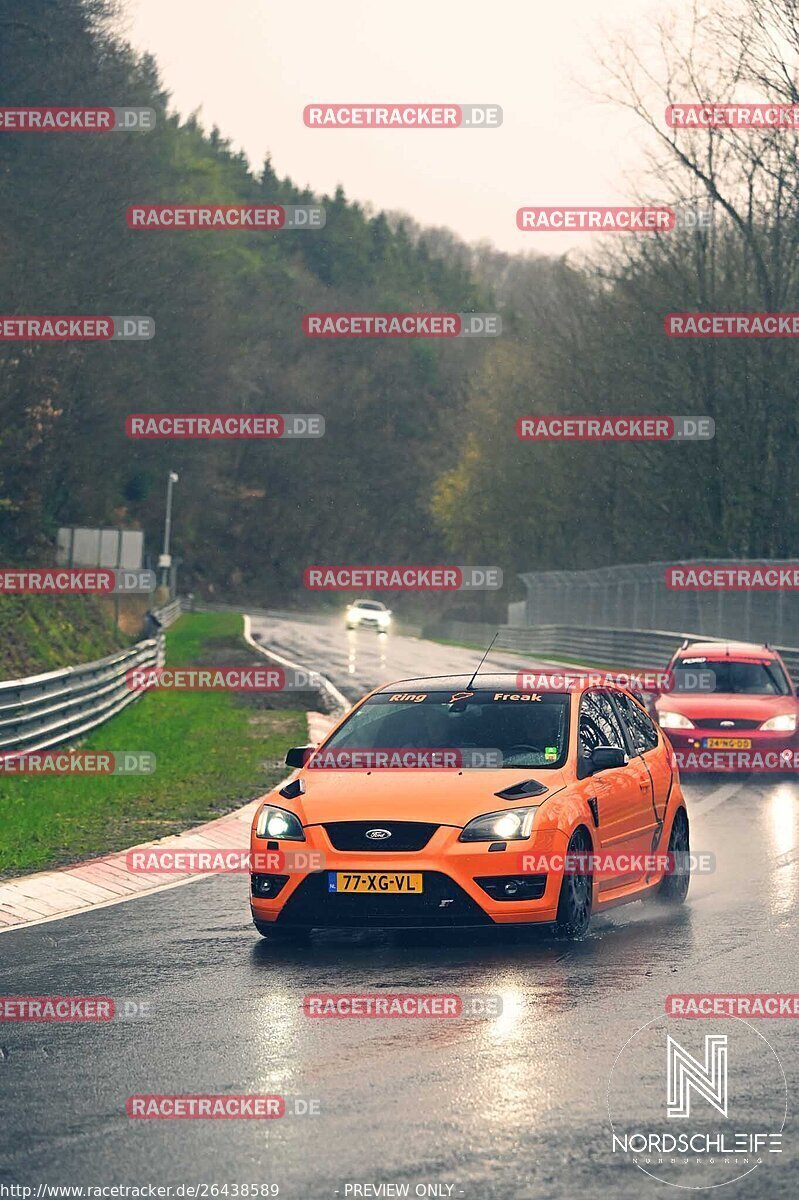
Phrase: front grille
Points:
(405, 835)
(726, 723)
(312, 905)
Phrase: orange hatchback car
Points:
(449, 802)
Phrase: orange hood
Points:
(446, 797)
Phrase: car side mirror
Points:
(604, 757)
(298, 755)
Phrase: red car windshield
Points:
(741, 678)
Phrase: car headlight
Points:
(674, 720)
(511, 825)
(278, 823)
(784, 723)
(384, 618)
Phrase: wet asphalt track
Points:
(509, 1107)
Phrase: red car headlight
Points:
(784, 723)
(674, 720)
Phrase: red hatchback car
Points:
(745, 699)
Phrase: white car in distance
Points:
(370, 613)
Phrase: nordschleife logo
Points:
(696, 1108)
(684, 1073)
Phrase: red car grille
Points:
(726, 723)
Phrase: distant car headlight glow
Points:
(674, 720)
(512, 825)
(784, 723)
(279, 823)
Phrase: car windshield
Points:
(369, 604)
(528, 729)
(746, 678)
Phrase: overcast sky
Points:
(250, 67)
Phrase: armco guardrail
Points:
(45, 710)
(622, 648)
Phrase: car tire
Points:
(576, 892)
(282, 933)
(673, 887)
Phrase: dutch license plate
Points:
(376, 882)
(728, 743)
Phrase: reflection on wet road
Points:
(497, 1108)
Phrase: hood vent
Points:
(522, 790)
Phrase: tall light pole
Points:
(165, 559)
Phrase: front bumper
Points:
(451, 895)
(760, 739)
(694, 753)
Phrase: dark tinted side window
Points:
(642, 731)
(598, 723)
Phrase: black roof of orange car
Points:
(485, 681)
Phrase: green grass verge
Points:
(42, 633)
(213, 753)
